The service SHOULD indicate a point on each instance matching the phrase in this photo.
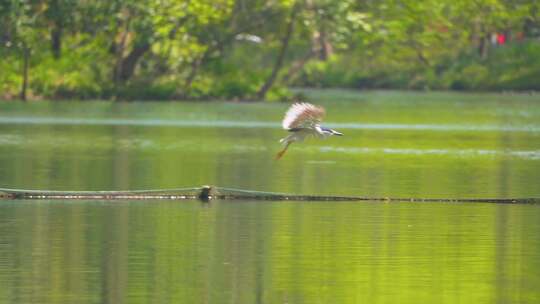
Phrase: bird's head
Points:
(328, 132)
(337, 133)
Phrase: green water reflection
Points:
(395, 144)
(259, 252)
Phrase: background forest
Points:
(253, 50)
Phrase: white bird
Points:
(303, 120)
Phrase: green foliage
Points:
(226, 49)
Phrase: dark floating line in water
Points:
(208, 193)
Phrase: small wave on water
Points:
(28, 120)
(529, 155)
(10, 139)
(186, 144)
(321, 162)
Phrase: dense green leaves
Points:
(163, 49)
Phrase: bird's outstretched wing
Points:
(302, 115)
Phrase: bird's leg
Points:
(280, 153)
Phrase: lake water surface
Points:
(396, 144)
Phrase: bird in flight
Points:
(303, 120)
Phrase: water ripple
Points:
(28, 120)
(530, 155)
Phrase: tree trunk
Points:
(119, 49)
(299, 65)
(481, 46)
(281, 56)
(127, 67)
(117, 68)
(484, 46)
(421, 57)
(56, 41)
(194, 70)
(26, 59)
(325, 46)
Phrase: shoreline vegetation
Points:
(322, 96)
(259, 50)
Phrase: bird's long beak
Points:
(337, 133)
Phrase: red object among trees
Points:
(501, 39)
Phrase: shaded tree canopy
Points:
(253, 49)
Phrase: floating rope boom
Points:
(179, 193)
(207, 193)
